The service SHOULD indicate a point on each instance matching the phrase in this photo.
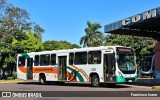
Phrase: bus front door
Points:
(62, 63)
(109, 67)
(29, 68)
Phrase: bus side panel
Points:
(77, 73)
(36, 76)
(97, 69)
(51, 77)
(21, 72)
(80, 73)
(51, 72)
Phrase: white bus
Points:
(105, 64)
(147, 67)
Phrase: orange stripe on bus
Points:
(110, 48)
(71, 77)
(80, 71)
(22, 69)
(45, 69)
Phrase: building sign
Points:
(119, 26)
(140, 17)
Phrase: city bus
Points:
(147, 67)
(104, 64)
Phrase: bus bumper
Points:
(120, 79)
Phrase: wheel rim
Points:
(41, 80)
(96, 81)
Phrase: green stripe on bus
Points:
(84, 72)
(25, 55)
(78, 74)
(120, 79)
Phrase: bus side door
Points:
(109, 67)
(62, 64)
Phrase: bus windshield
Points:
(146, 63)
(126, 61)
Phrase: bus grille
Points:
(129, 72)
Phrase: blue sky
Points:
(66, 19)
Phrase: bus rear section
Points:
(38, 66)
(24, 67)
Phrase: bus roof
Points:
(74, 50)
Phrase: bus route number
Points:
(93, 69)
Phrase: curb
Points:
(12, 81)
(157, 88)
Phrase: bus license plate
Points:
(129, 80)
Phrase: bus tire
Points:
(42, 79)
(95, 81)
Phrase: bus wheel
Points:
(95, 81)
(42, 79)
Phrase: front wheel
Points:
(42, 79)
(95, 81)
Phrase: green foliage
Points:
(14, 75)
(93, 37)
(10, 78)
(16, 35)
(142, 45)
(31, 44)
(57, 45)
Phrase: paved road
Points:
(35, 86)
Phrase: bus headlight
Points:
(120, 74)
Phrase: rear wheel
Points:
(95, 81)
(42, 79)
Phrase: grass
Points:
(12, 81)
(157, 88)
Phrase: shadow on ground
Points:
(76, 84)
(144, 84)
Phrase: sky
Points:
(67, 19)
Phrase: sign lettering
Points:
(137, 18)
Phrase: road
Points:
(70, 87)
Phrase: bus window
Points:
(71, 57)
(36, 60)
(94, 57)
(126, 61)
(53, 59)
(146, 63)
(80, 58)
(44, 61)
(21, 61)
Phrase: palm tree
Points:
(93, 37)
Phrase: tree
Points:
(57, 45)
(32, 43)
(93, 37)
(142, 45)
(15, 35)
